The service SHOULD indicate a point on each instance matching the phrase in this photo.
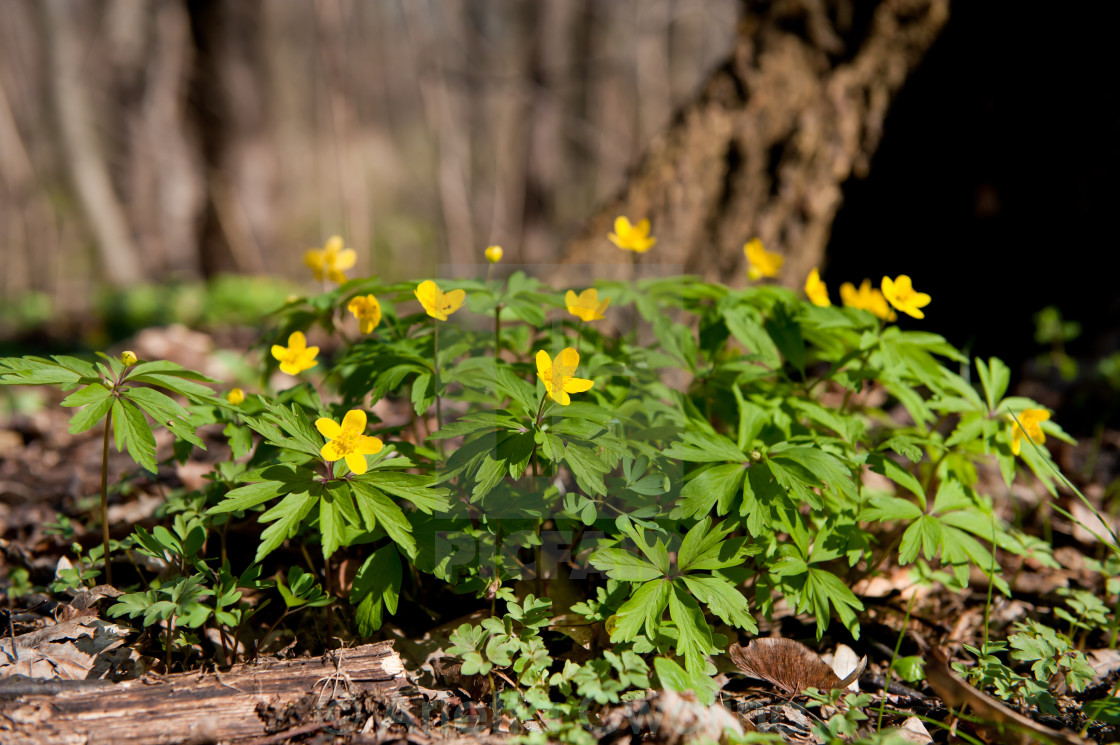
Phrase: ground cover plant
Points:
(624, 499)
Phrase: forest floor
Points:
(49, 482)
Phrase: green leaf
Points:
(745, 324)
(132, 431)
(694, 636)
(279, 479)
(704, 447)
(716, 486)
(722, 599)
(378, 510)
(621, 564)
(642, 611)
(994, 378)
(924, 533)
(885, 466)
(419, 489)
(94, 411)
(376, 587)
(673, 677)
(881, 509)
(285, 517)
(911, 668)
(786, 333)
(587, 467)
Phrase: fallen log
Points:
(196, 707)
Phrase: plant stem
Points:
(497, 331)
(105, 499)
(435, 358)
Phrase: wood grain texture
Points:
(193, 707)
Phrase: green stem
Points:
(894, 655)
(435, 358)
(105, 499)
(497, 331)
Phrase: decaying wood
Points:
(774, 134)
(193, 707)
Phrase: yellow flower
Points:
(557, 377)
(900, 293)
(867, 298)
(436, 302)
(331, 261)
(1031, 419)
(367, 310)
(494, 254)
(586, 305)
(817, 290)
(632, 237)
(128, 358)
(297, 357)
(760, 262)
(347, 441)
(235, 396)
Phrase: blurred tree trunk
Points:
(775, 132)
(230, 104)
(85, 159)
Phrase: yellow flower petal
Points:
(328, 428)
(816, 290)
(354, 422)
(577, 385)
(356, 463)
(332, 451)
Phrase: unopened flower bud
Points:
(494, 254)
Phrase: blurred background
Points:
(158, 143)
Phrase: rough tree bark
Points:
(776, 131)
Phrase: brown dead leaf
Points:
(789, 665)
(1012, 727)
(70, 649)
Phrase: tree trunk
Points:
(775, 132)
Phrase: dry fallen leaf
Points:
(789, 665)
(69, 649)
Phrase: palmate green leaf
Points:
(642, 612)
(41, 371)
(285, 517)
(183, 383)
(745, 324)
(704, 447)
(97, 401)
(337, 513)
(621, 564)
(657, 552)
(825, 468)
(885, 466)
(166, 411)
(823, 588)
(673, 677)
(784, 329)
(848, 427)
(423, 393)
(694, 635)
(376, 588)
(923, 534)
(716, 486)
(994, 379)
(881, 509)
(286, 428)
(379, 511)
(132, 432)
(587, 467)
(910, 399)
(278, 479)
(721, 598)
(419, 489)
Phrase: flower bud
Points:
(235, 396)
(494, 254)
(128, 358)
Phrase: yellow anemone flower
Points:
(632, 237)
(557, 376)
(235, 396)
(367, 310)
(494, 254)
(1031, 421)
(760, 262)
(331, 261)
(128, 358)
(817, 290)
(900, 293)
(437, 303)
(586, 305)
(867, 298)
(297, 356)
(347, 441)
